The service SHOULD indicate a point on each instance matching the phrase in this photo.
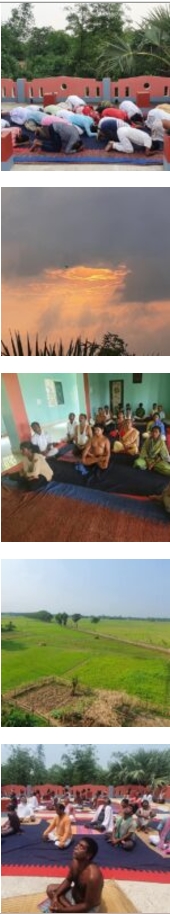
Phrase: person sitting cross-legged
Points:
(59, 830)
(123, 833)
(12, 826)
(154, 454)
(83, 434)
(144, 815)
(129, 444)
(71, 426)
(82, 888)
(34, 465)
(97, 451)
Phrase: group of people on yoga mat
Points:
(82, 888)
(62, 127)
(132, 442)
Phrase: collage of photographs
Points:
(85, 457)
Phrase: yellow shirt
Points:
(62, 828)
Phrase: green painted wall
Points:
(36, 402)
(154, 388)
(8, 421)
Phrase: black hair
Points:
(29, 447)
(84, 415)
(59, 805)
(106, 407)
(125, 801)
(92, 847)
(35, 423)
(97, 425)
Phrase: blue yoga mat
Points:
(28, 849)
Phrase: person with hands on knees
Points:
(82, 888)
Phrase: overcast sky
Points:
(54, 14)
(87, 586)
(53, 753)
(88, 260)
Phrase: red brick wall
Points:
(79, 86)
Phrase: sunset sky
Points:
(87, 261)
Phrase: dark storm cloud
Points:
(51, 228)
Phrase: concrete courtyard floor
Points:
(88, 168)
(147, 897)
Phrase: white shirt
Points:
(157, 130)
(97, 813)
(156, 114)
(4, 124)
(42, 441)
(129, 107)
(21, 115)
(33, 802)
(74, 101)
(71, 428)
(139, 137)
(108, 819)
(82, 437)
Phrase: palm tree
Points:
(149, 46)
(110, 345)
(142, 767)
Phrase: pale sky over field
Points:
(53, 754)
(86, 261)
(89, 587)
(54, 14)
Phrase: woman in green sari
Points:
(154, 454)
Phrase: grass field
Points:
(36, 649)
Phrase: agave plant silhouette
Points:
(110, 345)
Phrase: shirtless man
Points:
(81, 890)
(97, 451)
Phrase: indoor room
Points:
(96, 446)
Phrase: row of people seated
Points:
(94, 447)
(61, 126)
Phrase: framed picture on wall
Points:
(116, 395)
(137, 378)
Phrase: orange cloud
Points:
(86, 300)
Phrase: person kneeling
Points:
(97, 451)
(82, 888)
(59, 830)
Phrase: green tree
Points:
(65, 619)
(142, 767)
(76, 618)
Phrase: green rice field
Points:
(37, 649)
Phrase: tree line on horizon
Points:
(62, 618)
(80, 765)
(99, 40)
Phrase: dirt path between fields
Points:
(143, 644)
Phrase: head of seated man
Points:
(82, 888)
